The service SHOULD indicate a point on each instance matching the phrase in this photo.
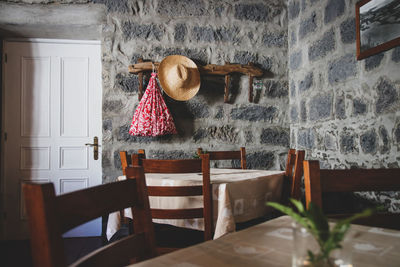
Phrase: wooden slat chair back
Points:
(201, 165)
(293, 174)
(50, 216)
(125, 161)
(227, 155)
(319, 181)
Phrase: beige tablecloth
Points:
(270, 244)
(238, 196)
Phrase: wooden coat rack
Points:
(210, 69)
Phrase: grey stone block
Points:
(387, 95)
(321, 107)
(383, 133)
(373, 62)
(308, 26)
(303, 5)
(397, 133)
(359, 107)
(293, 9)
(294, 114)
(132, 30)
(135, 57)
(303, 111)
(198, 109)
(220, 113)
(204, 34)
(227, 34)
(348, 31)
(224, 134)
(244, 57)
(253, 12)
(181, 8)
(112, 106)
(123, 135)
(107, 125)
(180, 32)
(341, 69)
(347, 143)
(334, 9)
(396, 54)
(275, 136)
(266, 62)
(200, 134)
(292, 89)
(199, 56)
(106, 160)
(306, 84)
(254, 113)
(340, 108)
(323, 46)
(306, 138)
(275, 89)
(274, 39)
(218, 11)
(330, 142)
(260, 160)
(368, 142)
(192, 109)
(295, 60)
(173, 154)
(248, 136)
(120, 6)
(128, 84)
(293, 38)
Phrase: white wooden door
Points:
(52, 99)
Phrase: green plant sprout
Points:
(316, 223)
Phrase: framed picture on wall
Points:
(377, 26)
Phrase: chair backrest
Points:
(50, 216)
(293, 174)
(319, 181)
(123, 155)
(227, 155)
(201, 165)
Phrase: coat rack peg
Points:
(227, 84)
(140, 76)
(250, 84)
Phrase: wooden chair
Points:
(227, 155)
(293, 174)
(125, 158)
(319, 181)
(50, 216)
(168, 237)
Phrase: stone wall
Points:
(208, 32)
(344, 112)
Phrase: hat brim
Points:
(175, 90)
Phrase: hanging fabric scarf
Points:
(152, 117)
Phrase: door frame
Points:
(3, 59)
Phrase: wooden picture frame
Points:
(373, 36)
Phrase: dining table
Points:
(238, 195)
(271, 244)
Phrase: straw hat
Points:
(179, 77)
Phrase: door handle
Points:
(95, 146)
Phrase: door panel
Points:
(74, 97)
(51, 109)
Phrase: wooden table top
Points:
(270, 244)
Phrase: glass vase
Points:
(303, 242)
